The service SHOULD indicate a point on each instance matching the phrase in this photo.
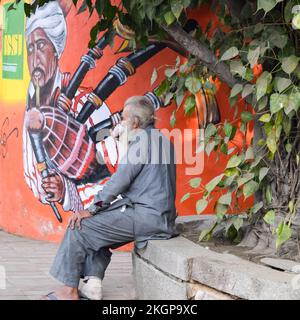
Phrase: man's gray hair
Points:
(140, 107)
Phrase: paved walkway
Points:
(26, 263)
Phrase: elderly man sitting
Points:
(136, 204)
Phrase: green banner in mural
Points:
(13, 41)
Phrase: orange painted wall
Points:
(20, 212)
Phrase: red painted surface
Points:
(20, 212)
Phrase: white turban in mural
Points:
(51, 19)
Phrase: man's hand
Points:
(53, 185)
(77, 216)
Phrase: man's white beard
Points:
(123, 132)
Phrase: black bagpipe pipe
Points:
(88, 62)
(116, 77)
(36, 140)
(118, 74)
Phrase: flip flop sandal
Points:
(52, 296)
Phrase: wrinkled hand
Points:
(53, 185)
(77, 216)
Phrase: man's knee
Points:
(73, 235)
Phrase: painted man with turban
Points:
(46, 34)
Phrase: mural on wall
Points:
(1, 27)
(63, 121)
(12, 30)
(6, 134)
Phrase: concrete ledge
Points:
(180, 269)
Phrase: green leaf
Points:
(189, 105)
(253, 56)
(224, 148)
(168, 98)
(268, 194)
(185, 197)
(176, 7)
(204, 235)
(213, 183)
(269, 217)
(248, 76)
(234, 161)
(195, 182)
(290, 63)
(173, 119)
(225, 199)
(170, 72)
(162, 88)
(246, 116)
(262, 84)
(227, 129)
(169, 17)
(245, 178)
(267, 5)
(288, 147)
(154, 76)
(271, 140)
(265, 117)
(248, 89)
(230, 53)
(179, 97)
(236, 67)
(210, 147)
(231, 172)
(193, 84)
(249, 154)
(257, 206)
(221, 210)
(278, 39)
(210, 130)
(282, 83)
(262, 103)
(236, 89)
(294, 100)
(292, 207)
(288, 15)
(278, 102)
(237, 223)
(284, 233)
(296, 21)
(201, 205)
(263, 172)
(250, 188)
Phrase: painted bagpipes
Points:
(71, 149)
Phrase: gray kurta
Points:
(146, 180)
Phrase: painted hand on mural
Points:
(34, 119)
(54, 186)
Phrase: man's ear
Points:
(136, 123)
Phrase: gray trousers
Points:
(86, 252)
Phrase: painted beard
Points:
(38, 77)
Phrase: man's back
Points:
(155, 186)
(153, 190)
